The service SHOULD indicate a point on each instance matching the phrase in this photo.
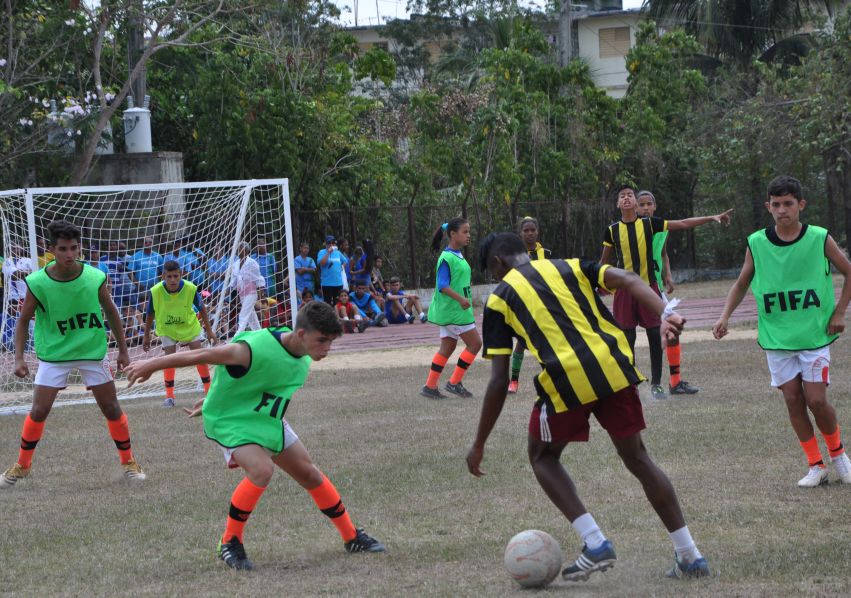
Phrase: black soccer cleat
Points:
(364, 543)
(458, 389)
(233, 554)
(432, 393)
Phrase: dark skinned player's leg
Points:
(545, 458)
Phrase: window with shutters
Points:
(614, 41)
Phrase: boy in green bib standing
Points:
(66, 298)
(787, 266)
(256, 377)
(176, 306)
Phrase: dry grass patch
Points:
(398, 460)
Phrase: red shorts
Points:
(629, 313)
(619, 414)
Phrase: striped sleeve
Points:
(608, 240)
(497, 335)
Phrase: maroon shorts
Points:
(619, 414)
(629, 313)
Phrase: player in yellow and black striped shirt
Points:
(587, 368)
(630, 242)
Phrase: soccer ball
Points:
(533, 558)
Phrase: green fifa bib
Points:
(443, 309)
(658, 245)
(248, 409)
(68, 317)
(793, 291)
(173, 312)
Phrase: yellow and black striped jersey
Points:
(633, 243)
(540, 253)
(554, 307)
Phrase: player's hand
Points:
(719, 330)
(123, 360)
(21, 369)
(724, 217)
(196, 408)
(669, 286)
(138, 371)
(465, 303)
(146, 344)
(836, 324)
(474, 460)
(672, 326)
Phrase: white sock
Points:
(589, 531)
(684, 546)
(422, 313)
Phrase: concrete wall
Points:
(135, 169)
(609, 73)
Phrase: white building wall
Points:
(609, 73)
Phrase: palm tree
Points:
(740, 30)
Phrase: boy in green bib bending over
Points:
(787, 266)
(66, 298)
(255, 378)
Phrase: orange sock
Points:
(673, 354)
(168, 374)
(833, 442)
(328, 500)
(464, 361)
(30, 436)
(119, 429)
(242, 502)
(204, 372)
(437, 364)
(812, 451)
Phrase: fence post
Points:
(412, 251)
(354, 224)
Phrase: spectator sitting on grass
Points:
(399, 306)
(367, 306)
(349, 315)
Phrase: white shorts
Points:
(290, 438)
(55, 375)
(813, 366)
(167, 341)
(454, 330)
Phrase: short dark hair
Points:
(62, 229)
(500, 244)
(361, 283)
(394, 279)
(785, 185)
(623, 186)
(171, 266)
(318, 315)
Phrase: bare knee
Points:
(39, 413)
(261, 474)
(311, 477)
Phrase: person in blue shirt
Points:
(363, 302)
(331, 262)
(146, 265)
(399, 306)
(305, 268)
(268, 265)
(357, 267)
(217, 267)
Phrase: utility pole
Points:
(136, 47)
(565, 33)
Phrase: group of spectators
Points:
(250, 295)
(358, 292)
(352, 282)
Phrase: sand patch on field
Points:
(413, 356)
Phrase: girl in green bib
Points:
(451, 308)
(255, 378)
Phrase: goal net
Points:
(129, 232)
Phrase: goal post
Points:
(128, 231)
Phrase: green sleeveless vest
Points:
(793, 291)
(444, 310)
(249, 409)
(173, 312)
(658, 245)
(68, 319)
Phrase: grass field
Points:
(75, 527)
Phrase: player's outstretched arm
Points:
(735, 296)
(837, 257)
(22, 333)
(115, 324)
(491, 408)
(606, 256)
(230, 354)
(687, 223)
(615, 278)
